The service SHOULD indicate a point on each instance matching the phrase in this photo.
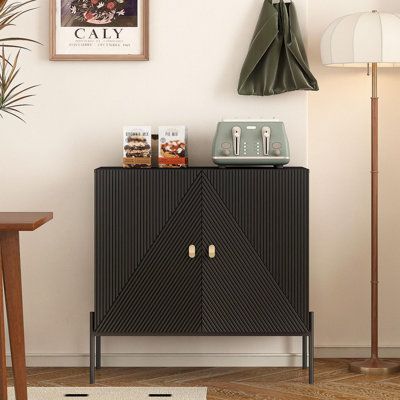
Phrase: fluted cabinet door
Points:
(257, 281)
(146, 283)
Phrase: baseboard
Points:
(203, 359)
(355, 352)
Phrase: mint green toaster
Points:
(251, 142)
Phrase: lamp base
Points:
(374, 366)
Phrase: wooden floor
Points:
(333, 381)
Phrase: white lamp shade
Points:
(362, 38)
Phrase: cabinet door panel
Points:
(258, 281)
(146, 283)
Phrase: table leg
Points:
(3, 366)
(9, 242)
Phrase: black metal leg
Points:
(305, 339)
(92, 349)
(98, 352)
(311, 349)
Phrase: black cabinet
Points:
(248, 229)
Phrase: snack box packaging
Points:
(137, 146)
(172, 147)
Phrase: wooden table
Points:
(10, 274)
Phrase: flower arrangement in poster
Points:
(98, 12)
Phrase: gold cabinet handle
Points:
(211, 251)
(192, 251)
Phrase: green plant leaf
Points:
(9, 103)
(20, 39)
(13, 95)
(10, 46)
(13, 114)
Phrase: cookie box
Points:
(137, 147)
(172, 147)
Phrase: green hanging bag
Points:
(277, 60)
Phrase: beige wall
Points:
(339, 158)
(196, 53)
(197, 49)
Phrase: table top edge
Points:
(16, 226)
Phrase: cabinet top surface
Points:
(266, 168)
(23, 221)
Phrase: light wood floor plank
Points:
(333, 381)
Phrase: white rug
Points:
(113, 393)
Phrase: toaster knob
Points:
(277, 152)
(225, 152)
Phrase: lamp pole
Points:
(374, 365)
(374, 213)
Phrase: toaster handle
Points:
(236, 133)
(266, 136)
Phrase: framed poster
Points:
(99, 30)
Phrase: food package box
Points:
(137, 146)
(172, 147)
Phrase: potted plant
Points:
(13, 95)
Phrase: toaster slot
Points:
(266, 136)
(236, 133)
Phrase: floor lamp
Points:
(370, 38)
